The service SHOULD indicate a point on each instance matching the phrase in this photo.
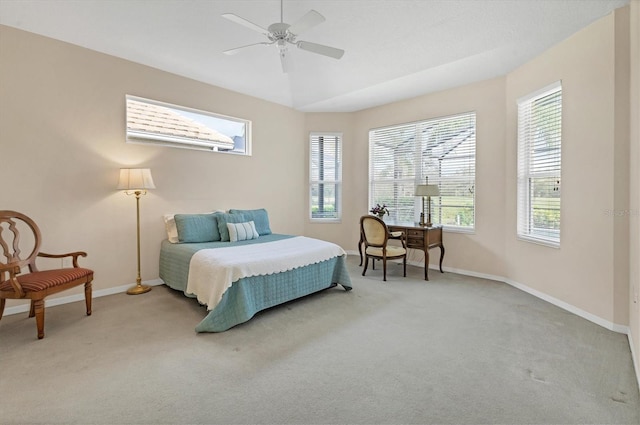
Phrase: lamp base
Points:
(138, 289)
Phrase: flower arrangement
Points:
(379, 210)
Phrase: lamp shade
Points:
(427, 190)
(135, 179)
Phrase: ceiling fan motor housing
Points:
(280, 32)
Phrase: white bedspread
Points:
(212, 271)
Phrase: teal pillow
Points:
(259, 217)
(197, 227)
(223, 219)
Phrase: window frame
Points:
(550, 165)
(407, 183)
(183, 114)
(322, 179)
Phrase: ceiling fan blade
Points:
(311, 19)
(237, 49)
(245, 23)
(321, 49)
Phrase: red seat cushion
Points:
(39, 281)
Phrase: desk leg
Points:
(441, 257)
(426, 264)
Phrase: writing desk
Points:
(417, 237)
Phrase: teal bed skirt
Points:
(252, 294)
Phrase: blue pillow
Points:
(197, 227)
(223, 219)
(259, 217)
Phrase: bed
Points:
(238, 277)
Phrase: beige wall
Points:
(62, 141)
(582, 271)
(634, 185)
(483, 251)
(621, 166)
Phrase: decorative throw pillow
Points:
(259, 217)
(242, 231)
(223, 219)
(197, 227)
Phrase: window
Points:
(442, 150)
(325, 180)
(153, 122)
(539, 148)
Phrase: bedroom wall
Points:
(62, 138)
(481, 252)
(634, 185)
(621, 152)
(590, 269)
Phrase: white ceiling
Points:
(395, 49)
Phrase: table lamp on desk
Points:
(426, 190)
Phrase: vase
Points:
(381, 215)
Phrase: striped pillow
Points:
(242, 231)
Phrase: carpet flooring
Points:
(456, 349)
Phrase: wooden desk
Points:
(422, 238)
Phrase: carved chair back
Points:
(20, 240)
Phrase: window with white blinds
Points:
(442, 150)
(539, 165)
(325, 177)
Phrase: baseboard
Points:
(548, 298)
(80, 297)
(570, 308)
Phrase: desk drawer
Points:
(415, 238)
(413, 242)
(415, 234)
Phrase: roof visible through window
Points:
(163, 124)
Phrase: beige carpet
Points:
(452, 350)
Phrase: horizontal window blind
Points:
(325, 169)
(539, 165)
(439, 151)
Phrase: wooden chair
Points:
(34, 285)
(375, 235)
(392, 235)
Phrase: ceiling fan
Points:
(282, 35)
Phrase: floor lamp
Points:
(136, 181)
(426, 190)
